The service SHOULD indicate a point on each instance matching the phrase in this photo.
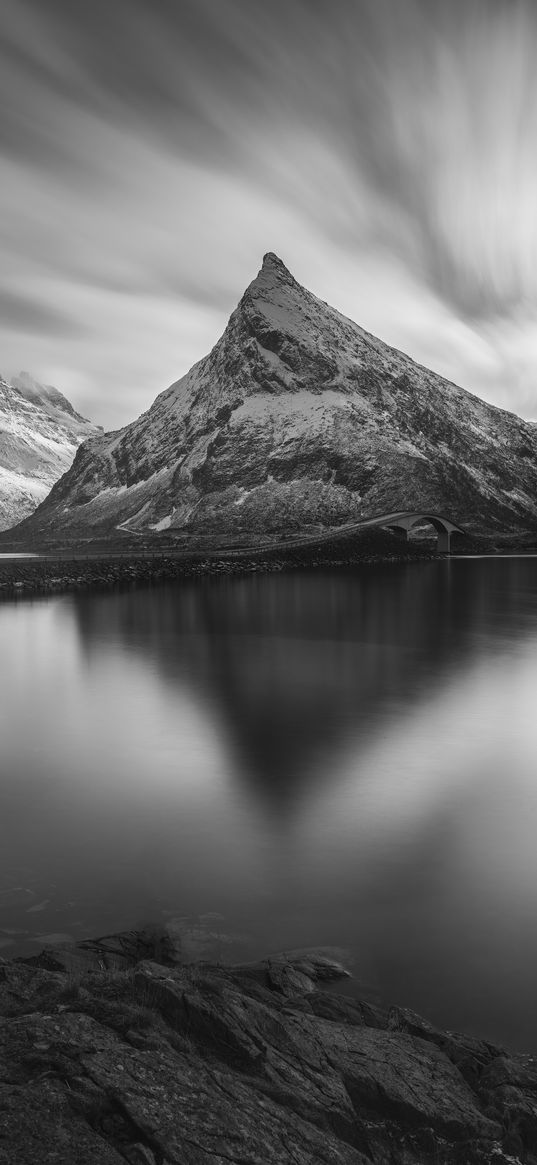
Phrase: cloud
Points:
(28, 315)
(151, 153)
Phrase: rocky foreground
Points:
(116, 1050)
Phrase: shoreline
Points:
(119, 1050)
(55, 568)
(68, 571)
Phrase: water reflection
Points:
(292, 666)
(340, 758)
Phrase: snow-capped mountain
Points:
(298, 419)
(48, 398)
(39, 435)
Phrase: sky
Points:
(152, 151)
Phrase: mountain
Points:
(45, 395)
(298, 419)
(39, 435)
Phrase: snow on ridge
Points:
(37, 445)
(164, 523)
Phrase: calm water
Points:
(345, 759)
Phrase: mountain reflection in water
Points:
(343, 758)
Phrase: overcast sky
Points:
(153, 150)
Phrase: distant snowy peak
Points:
(44, 394)
(39, 435)
(297, 420)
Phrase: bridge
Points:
(404, 520)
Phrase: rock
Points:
(169, 1063)
(113, 952)
(509, 1083)
(140, 1155)
(297, 972)
(469, 1054)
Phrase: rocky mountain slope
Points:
(298, 419)
(39, 435)
(120, 1050)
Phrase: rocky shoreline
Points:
(86, 569)
(117, 1050)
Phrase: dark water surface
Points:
(344, 758)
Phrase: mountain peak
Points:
(297, 420)
(275, 268)
(272, 284)
(39, 435)
(273, 261)
(273, 273)
(44, 395)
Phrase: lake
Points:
(345, 758)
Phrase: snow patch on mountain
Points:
(164, 523)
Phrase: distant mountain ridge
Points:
(298, 420)
(39, 435)
(45, 395)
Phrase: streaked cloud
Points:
(23, 314)
(152, 152)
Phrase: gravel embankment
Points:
(51, 575)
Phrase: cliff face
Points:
(39, 435)
(299, 419)
(119, 1050)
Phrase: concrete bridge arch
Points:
(404, 520)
